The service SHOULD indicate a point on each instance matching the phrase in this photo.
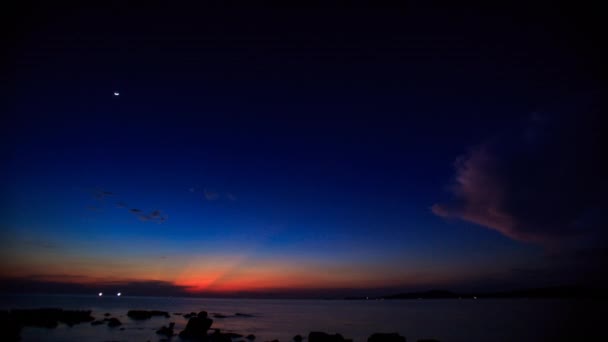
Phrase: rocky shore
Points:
(198, 327)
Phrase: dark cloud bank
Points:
(544, 183)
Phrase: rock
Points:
(122, 329)
(386, 337)
(297, 338)
(233, 335)
(72, 317)
(9, 327)
(202, 314)
(218, 315)
(428, 340)
(107, 314)
(188, 315)
(197, 327)
(167, 331)
(114, 322)
(217, 336)
(146, 314)
(98, 322)
(250, 337)
(238, 314)
(317, 336)
(275, 340)
(50, 318)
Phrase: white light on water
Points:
(118, 294)
(100, 294)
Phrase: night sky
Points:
(302, 150)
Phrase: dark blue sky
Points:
(292, 149)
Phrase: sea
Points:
(449, 320)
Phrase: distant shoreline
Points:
(558, 292)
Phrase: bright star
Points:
(116, 93)
(100, 294)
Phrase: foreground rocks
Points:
(167, 331)
(11, 322)
(384, 337)
(197, 327)
(50, 318)
(317, 336)
(146, 314)
(114, 322)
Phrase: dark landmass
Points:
(544, 292)
(146, 314)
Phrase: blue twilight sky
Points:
(283, 149)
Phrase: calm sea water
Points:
(447, 320)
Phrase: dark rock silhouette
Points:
(107, 314)
(114, 322)
(219, 315)
(386, 337)
(167, 331)
(11, 322)
(317, 336)
(188, 315)
(146, 314)
(233, 335)
(239, 314)
(250, 337)
(50, 318)
(197, 327)
(9, 327)
(297, 338)
(98, 322)
(217, 336)
(428, 340)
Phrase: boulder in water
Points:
(386, 337)
(317, 336)
(197, 328)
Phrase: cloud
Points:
(100, 194)
(544, 183)
(154, 216)
(210, 195)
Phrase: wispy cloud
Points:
(211, 195)
(154, 216)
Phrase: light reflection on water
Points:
(447, 320)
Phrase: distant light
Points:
(474, 297)
(100, 294)
(116, 93)
(118, 294)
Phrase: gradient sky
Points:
(298, 150)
